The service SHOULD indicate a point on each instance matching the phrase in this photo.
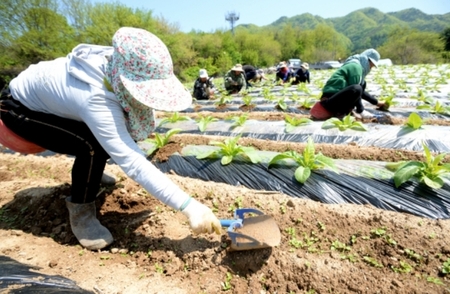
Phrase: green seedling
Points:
(339, 246)
(436, 281)
(294, 122)
(239, 121)
(350, 257)
(422, 97)
(413, 255)
(302, 87)
(321, 226)
(378, 232)
(388, 102)
(404, 268)
(446, 267)
(306, 103)
(159, 269)
(281, 104)
(308, 161)
(430, 172)
(161, 140)
(227, 285)
(224, 100)
(438, 107)
(237, 204)
(348, 122)
(230, 149)
(266, 92)
(390, 240)
(414, 121)
(175, 117)
(247, 99)
(204, 121)
(372, 261)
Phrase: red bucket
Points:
(16, 143)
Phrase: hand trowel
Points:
(252, 232)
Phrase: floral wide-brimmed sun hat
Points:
(142, 64)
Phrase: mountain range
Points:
(368, 26)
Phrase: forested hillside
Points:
(35, 30)
(368, 27)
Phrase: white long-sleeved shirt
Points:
(72, 87)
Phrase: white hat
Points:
(237, 67)
(203, 73)
(282, 64)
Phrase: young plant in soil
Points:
(247, 99)
(438, 107)
(308, 161)
(446, 267)
(239, 121)
(414, 121)
(281, 104)
(422, 97)
(293, 122)
(204, 121)
(303, 102)
(430, 172)
(302, 87)
(160, 140)
(230, 149)
(223, 100)
(175, 117)
(388, 102)
(348, 122)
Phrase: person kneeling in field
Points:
(95, 104)
(234, 79)
(203, 86)
(252, 74)
(345, 88)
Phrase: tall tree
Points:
(34, 30)
(107, 18)
(410, 46)
(445, 36)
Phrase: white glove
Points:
(366, 115)
(201, 218)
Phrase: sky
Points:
(208, 16)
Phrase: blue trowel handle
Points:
(226, 222)
(232, 224)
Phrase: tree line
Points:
(36, 30)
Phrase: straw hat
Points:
(305, 65)
(237, 67)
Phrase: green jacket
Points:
(230, 78)
(347, 75)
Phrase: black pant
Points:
(233, 89)
(343, 102)
(63, 136)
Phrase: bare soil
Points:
(324, 248)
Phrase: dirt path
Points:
(324, 248)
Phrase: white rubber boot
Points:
(108, 179)
(86, 227)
